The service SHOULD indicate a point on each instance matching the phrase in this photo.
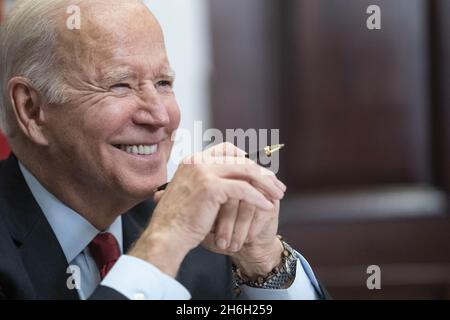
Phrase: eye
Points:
(121, 85)
(164, 84)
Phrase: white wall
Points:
(9, 4)
(186, 28)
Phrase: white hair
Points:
(28, 49)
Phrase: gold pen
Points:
(268, 151)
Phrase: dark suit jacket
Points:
(33, 265)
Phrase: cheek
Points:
(105, 120)
(64, 127)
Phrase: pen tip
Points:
(277, 147)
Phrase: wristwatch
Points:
(277, 278)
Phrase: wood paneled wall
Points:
(365, 117)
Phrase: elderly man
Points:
(89, 116)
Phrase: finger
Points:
(242, 225)
(260, 221)
(217, 154)
(209, 244)
(241, 190)
(225, 149)
(256, 175)
(213, 229)
(225, 223)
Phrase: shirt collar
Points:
(73, 232)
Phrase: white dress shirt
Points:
(132, 277)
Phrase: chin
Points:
(143, 188)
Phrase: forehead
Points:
(114, 35)
(136, 56)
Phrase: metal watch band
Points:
(277, 279)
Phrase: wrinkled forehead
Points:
(112, 33)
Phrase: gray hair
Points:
(28, 49)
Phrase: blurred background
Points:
(364, 115)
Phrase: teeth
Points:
(139, 149)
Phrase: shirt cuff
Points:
(301, 289)
(137, 279)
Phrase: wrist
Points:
(281, 277)
(161, 250)
(253, 268)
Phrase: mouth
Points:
(138, 149)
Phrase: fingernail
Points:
(281, 185)
(278, 194)
(269, 205)
(234, 247)
(221, 244)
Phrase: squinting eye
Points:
(121, 85)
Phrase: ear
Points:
(27, 105)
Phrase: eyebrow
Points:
(122, 74)
(117, 75)
(167, 72)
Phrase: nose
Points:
(152, 112)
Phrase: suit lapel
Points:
(131, 231)
(42, 259)
(42, 255)
(134, 223)
(46, 264)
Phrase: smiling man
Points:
(89, 115)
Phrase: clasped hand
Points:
(223, 201)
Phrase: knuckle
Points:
(205, 182)
(248, 170)
(250, 236)
(247, 193)
(254, 167)
(241, 188)
(201, 171)
(233, 205)
(208, 189)
(187, 160)
(218, 197)
(228, 145)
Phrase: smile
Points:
(143, 150)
